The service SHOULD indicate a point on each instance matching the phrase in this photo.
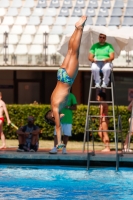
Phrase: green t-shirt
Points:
(67, 119)
(101, 51)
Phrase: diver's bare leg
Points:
(71, 41)
(72, 66)
(68, 55)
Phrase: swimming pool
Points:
(56, 182)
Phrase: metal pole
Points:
(45, 47)
(130, 129)
(88, 107)
(5, 47)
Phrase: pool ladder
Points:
(89, 122)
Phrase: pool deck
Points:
(78, 158)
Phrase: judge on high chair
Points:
(101, 55)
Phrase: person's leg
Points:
(54, 149)
(100, 135)
(105, 135)
(67, 130)
(65, 140)
(106, 69)
(96, 74)
(21, 140)
(72, 65)
(127, 140)
(34, 141)
(2, 136)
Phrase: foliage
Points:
(19, 113)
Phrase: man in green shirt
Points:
(66, 123)
(101, 55)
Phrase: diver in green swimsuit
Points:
(65, 78)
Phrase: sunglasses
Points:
(102, 37)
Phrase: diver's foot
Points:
(80, 24)
(60, 146)
(107, 149)
(3, 147)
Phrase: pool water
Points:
(18, 182)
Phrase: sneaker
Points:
(127, 150)
(60, 146)
(20, 150)
(32, 150)
(64, 150)
(97, 85)
(104, 85)
(53, 151)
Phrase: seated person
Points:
(101, 55)
(126, 144)
(28, 136)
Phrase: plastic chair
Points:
(16, 3)
(119, 4)
(90, 12)
(130, 4)
(57, 30)
(4, 28)
(93, 4)
(116, 12)
(25, 12)
(12, 12)
(64, 12)
(53, 39)
(8, 20)
(89, 21)
(34, 20)
(127, 21)
(51, 12)
(35, 50)
(54, 4)
(80, 3)
(42, 4)
(29, 4)
(103, 12)
(61, 21)
(38, 12)
(42, 29)
(77, 12)
(30, 29)
(38, 39)
(73, 20)
(4, 4)
(101, 21)
(25, 39)
(21, 50)
(69, 30)
(2, 12)
(114, 21)
(129, 12)
(106, 4)
(16, 29)
(21, 20)
(12, 39)
(67, 4)
(47, 21)
(52, 49)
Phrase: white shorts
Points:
(66, 129)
